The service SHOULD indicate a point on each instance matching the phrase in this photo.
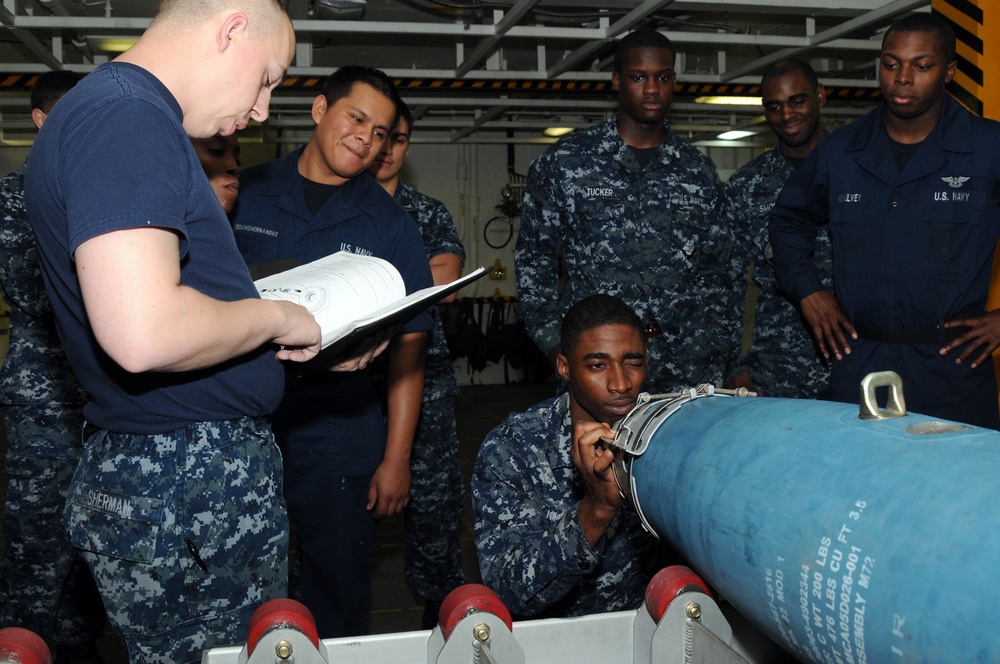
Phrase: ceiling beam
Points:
(796, 6)
(856, 23)
(480, 120)
(621, 25)
(490, 44)
(451, 30)
(31, 42)
(462, 96)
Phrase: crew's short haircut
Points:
(924, 22)
(340, 83)
(262, 13)
(790, 66)
(404, 114)
(50, 87)
(595, 311)
(642, 38)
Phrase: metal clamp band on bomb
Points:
(634, 431)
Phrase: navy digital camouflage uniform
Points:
(45, 585)
(783, 359)
(532, 550)
(433, 553)
(202, 543)
(655, 237)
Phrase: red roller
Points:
(468, 599)
(281, 613)
(668, 583)
(23, 646)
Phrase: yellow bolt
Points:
(481, 632)
(693, 610)
(283, 649)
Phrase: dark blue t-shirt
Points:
(113, 155)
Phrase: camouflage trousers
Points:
(185, 533)
(44, 584)
(432, 554)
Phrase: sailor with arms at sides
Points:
(433, 553)
(639, 214)
(783, 360)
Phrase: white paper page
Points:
(397, 313)
(337, 289)
(422, 294)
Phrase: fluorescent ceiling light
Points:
(556, 132)
(729, 101)
(734, 135)
(111, 44)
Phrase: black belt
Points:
(929, 336)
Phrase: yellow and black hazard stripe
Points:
(15, 82)
(571, 87)
(557, 88)
(968, 18)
